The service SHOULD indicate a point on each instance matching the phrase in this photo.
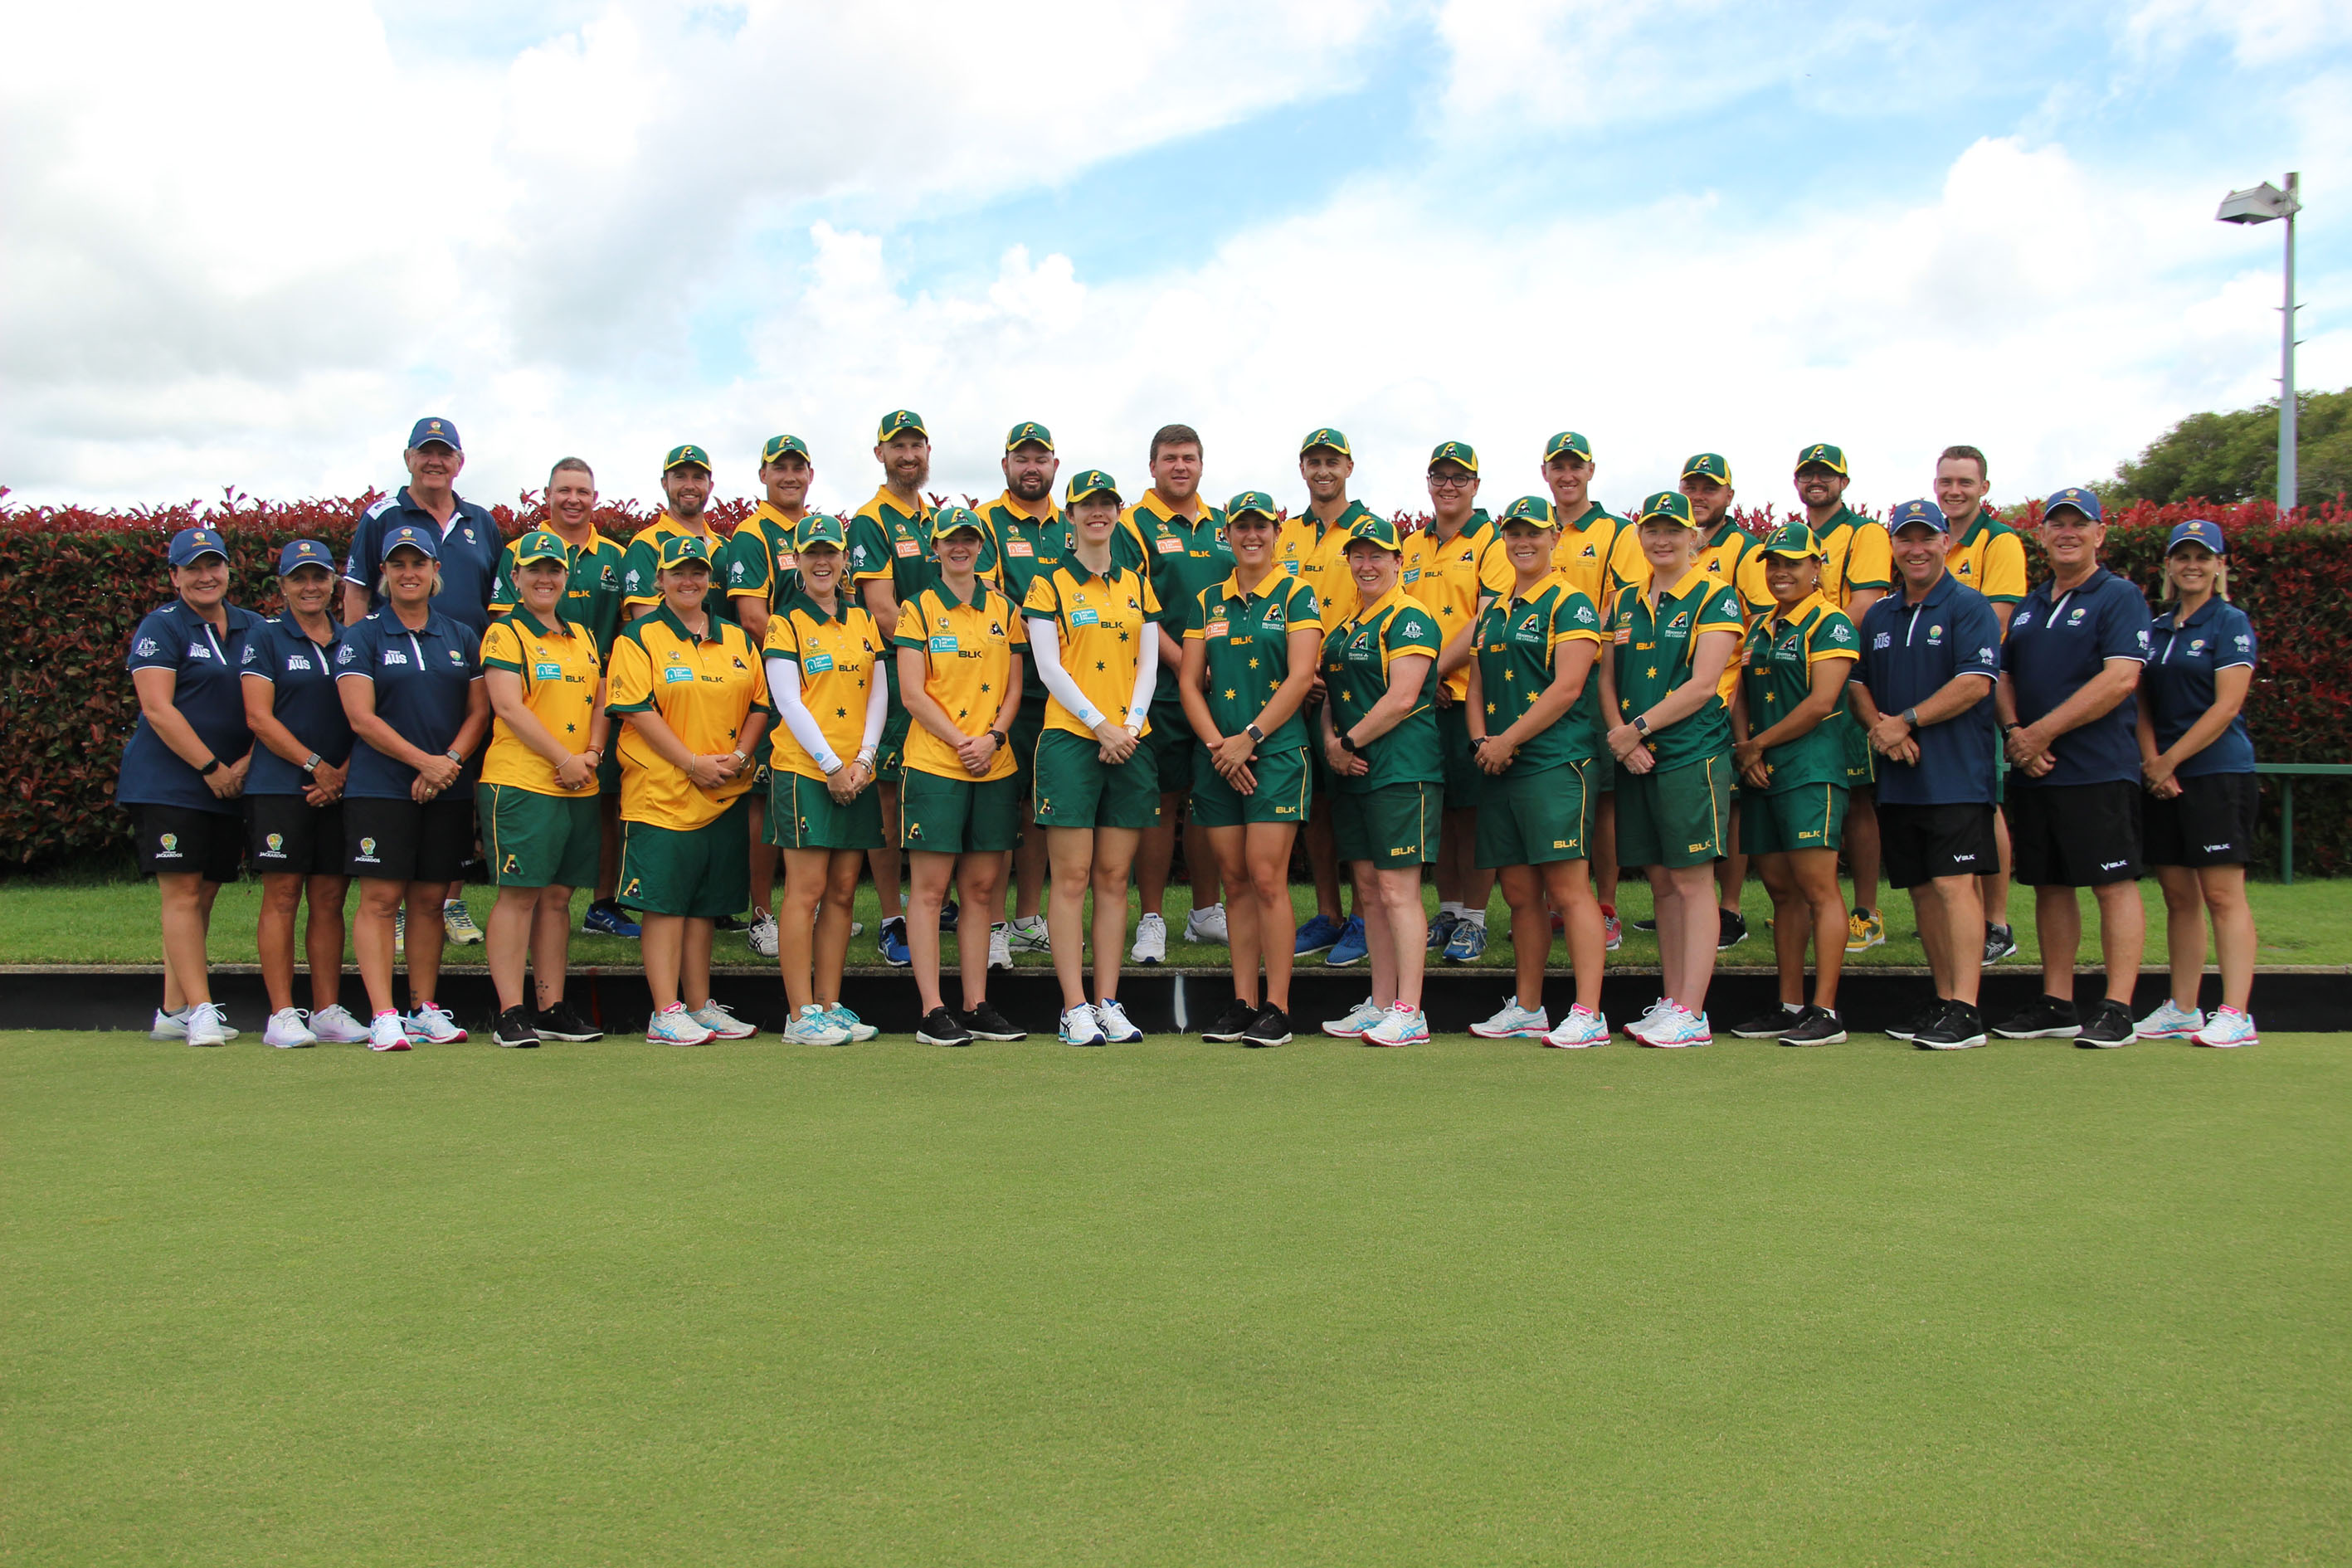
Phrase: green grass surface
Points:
(58, 921)
(1175, 1303)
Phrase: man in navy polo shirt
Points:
(1921, 690)
(471, 548)
(2068, 673)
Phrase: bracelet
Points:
(834, 769)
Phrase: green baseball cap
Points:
(899, 419)
(1326, 437)
(541, 545)
(1571, 442)
(1381, 531)
(679, 456)
(779, 445)
(1461, 452)
(1824, 454)
(819, 528)
(680, 548)
(1672, 505)
(957, 519)
(1257, 501)
(1027, 431)
(1710, 464)
(1793, 540)
(1529, 508)
(1090, 482)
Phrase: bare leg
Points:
(2233, 933)
(506, 942)
(1381, 947)
(380, 900)
(1792, 922)
(425, 941)
(1862, 845)
(273, 935)
(1155, 855)
(1029, 863)
(2058, 925)
(831, 948)
(1242, 915)
(1994, 885)
(694, 961)
(980, 879)
(322, 939)
(1819, 909)
(1072, 851)
(1691, 885)
(1960, 922)
(884, 860)
(1605, 851)
(1567, 888)
(663, 948)
(1665, 908)
(1114, 860)
(187, 922)
(1400, 899)
(550, 944)
(927, 892)
(2122, 936)
(1523, 892)
(806, 873)
(1266, 846)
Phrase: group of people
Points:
(1025, 701)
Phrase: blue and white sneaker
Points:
(1680, 1030)
(1318, 935)
(1350, 948)
(1403, 1025)
(1081, 1027)
(2228, 1029)
(714, 1016)
(432, 1024)
(605, 918)
(1117, 1028)
(2171, 1023)
(859, 1029)
(1360, 1018)
(674, 1026)
(1468, 942)
(1578, 1031)
(1441, 930)
(813, 1025)
(892, 944)
(1514, 1023)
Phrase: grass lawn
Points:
(1176, 1303)
(54, 920)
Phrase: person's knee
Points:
(283, 896)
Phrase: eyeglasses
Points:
(1438, 482)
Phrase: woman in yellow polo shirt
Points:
(959, 649)
(695, 701)
(1090, 631)
(536, 802)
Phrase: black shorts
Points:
(284, 836)
(180, 838)
(1918, 844)
(2211, 822)
(401, 841)
(2074, 836)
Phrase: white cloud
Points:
(2260, 32)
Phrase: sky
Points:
(248, 244)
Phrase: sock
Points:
(1608, 912)
(1474, 917)
(1448, 907)
(1792, 1006)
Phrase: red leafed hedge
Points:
(81, 580)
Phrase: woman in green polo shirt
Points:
(1249, 661)
(1534, 713)
(1380, 735)
(1674, 633)
(1792, 678)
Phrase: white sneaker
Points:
(762, 934)
(287, 1031)
(334, 1027)
(1359, 1018)
(2227, 1028)
(174, 1027)
(1081, 1027)
(1514, 1023)
(674, 1026)
(388, 1032)
(859, 1029)
(1684, 1030)
(1117, 1027)
(1658, 1015)
(1403, 1025)
(1027, 934)
(206, 1026)
(716, 1018)
(1000, 947)
(1150, 941)
(433, 1025)
(1578, 1031)
(457, 923)
(2171, 1023)
(816, 1026)
(857, 928)
(1207, 925)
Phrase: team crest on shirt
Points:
(294, 661)
(344, 655)
(251, 653)
(1679, 624)
(198, 650)
(149, 647)
(394, 656)
(456, 659)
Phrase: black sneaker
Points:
(940, 1027)
(1270, 1027)
(1730, 928)
(561, 1022)
(2000, 942)
(1649, 924)
(1768, 1025)
(2043, 1018)
(1918, 1018)
(985, 1023)
(2110, 1025)
(1232, 1024)
(1815, 1026)
(951, 912)
(1959, 1028)
(730, 922)
(514, 1030)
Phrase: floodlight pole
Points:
(2286, 475)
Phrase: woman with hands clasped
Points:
(1249, 661)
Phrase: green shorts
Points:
(1172, 746)
(1464, 785)
(1808, 817)
(1529, 818)
(941, 815)
(1861, 762)
(802, 814)
(702, 872)
(534, 840)
(1392, 826)
(890, 757)
(1076, 789)
(1678, 817)
(1282, 794)
(1027, 725)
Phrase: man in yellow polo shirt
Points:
(1988, 555)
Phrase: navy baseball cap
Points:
(193, 544)
(2082, 500)
(1924, 512)
(415, 538)
(431, 429)
(2198, 530)
(304, 553)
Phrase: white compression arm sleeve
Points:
(784, 690)
(877, 714)
(1045, 649)
(1147, 676)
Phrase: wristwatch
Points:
(740, 756)
(311, 764)
(1911, 717)
(1348, 743)
(1641, 723)
(1253, 732)
(2007, 729)
(209, 769)
(1001, 739)
(455, 756)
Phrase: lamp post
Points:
(2260, 204)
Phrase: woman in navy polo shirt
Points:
(2198, 828)
(411, 682)
(185, 767)
(293, 798)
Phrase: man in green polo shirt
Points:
(1729, 554)
(1029, 536)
